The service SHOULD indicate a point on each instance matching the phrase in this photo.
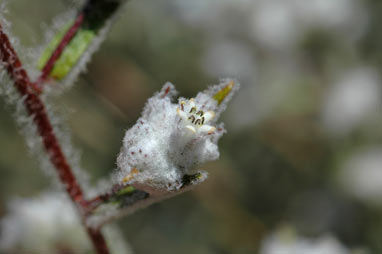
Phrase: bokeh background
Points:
(304, 144)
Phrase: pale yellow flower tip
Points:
(220, 95)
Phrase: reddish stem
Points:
(59, 49)
(36, 110)
(93, 203)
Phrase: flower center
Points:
(196, 120)
(196, 117)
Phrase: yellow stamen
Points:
(130, 176)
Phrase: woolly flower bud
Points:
(171, 139)
(49, 224)
(286, 241)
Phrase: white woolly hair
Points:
(160, 148)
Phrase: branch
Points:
(37, 111)
(124, 199)
(58, 60)
(71, 32)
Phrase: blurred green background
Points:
(304, 141)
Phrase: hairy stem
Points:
(123, 199)
(70, 33)
(36, 109)
(89, 21)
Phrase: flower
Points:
(50, 224)
(170, 139)
(195, 120)
(286, 241)
(360, 174)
